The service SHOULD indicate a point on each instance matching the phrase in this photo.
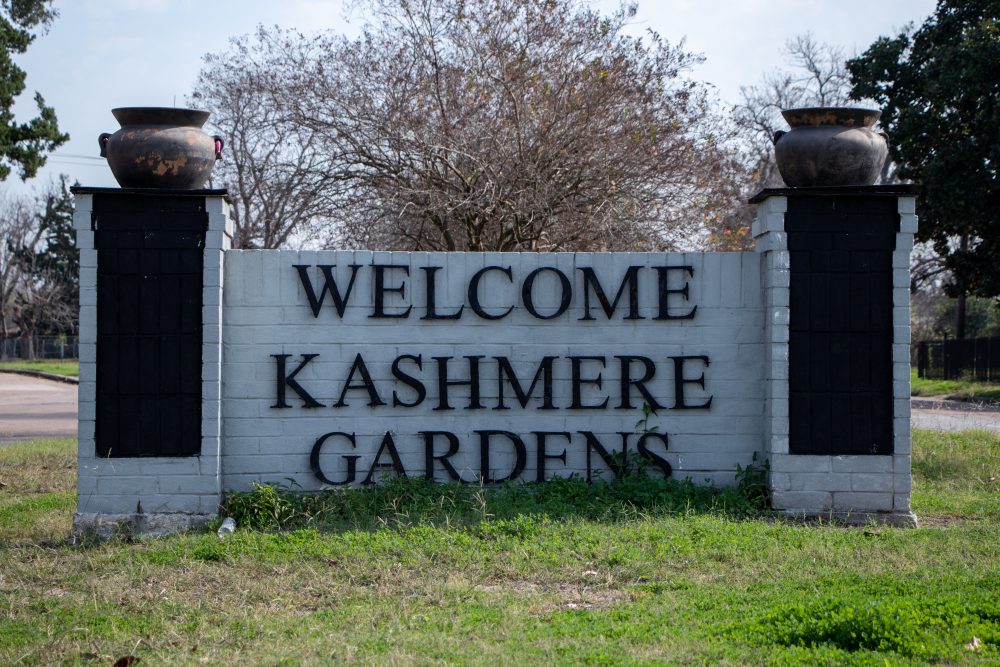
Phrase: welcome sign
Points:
(342, 367)
(205, 370)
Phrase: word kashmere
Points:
(391, 280)
(636, 376)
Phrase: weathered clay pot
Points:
(830, 146)
(160, 147)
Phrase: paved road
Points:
(32, 408)
(953, 415)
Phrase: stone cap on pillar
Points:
(149, 192)
(897, 190)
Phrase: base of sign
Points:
(897, 519)
(106, 526)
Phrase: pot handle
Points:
(884, 136)
(778, 135)
(103, 143)
(218, 147)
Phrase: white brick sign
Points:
(341, 367)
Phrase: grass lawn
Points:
(959, 390)
(483, 584)
(65, 367)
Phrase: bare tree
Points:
(818, 78)
(280, 184)
(35, 294)
(505, 125)
(17, 231)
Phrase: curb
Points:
(45, 376)
(954, 406)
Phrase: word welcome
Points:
(390, 280)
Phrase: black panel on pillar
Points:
(840, 331)
(149, 284)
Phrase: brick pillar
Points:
(835, 265)
(150, 356)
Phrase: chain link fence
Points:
(40, 347)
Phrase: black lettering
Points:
(444, 383)
(329, 286)
(631, 280)
(564, 284)
(544, 372)
(288, 380)
(617, 465)
(543, 455)
(367, 384)
(351, 460)
(474, 292)
(679, 381)
(409, 381)
(430, 457)
(665, 292)
(431, 298)
(627, 382)
(578, 379)
(381, 289)
(520, 456)
(396, 464)
(653, 457)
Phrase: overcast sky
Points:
(102, 54)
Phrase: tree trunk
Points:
(960, 306)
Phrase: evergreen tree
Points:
(940, 97)
(23, 145)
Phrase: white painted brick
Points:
(908, 224)
(863, 502)
(84, 239)
(765, 242)
(802, 501)
(217, 205)
(904, 242)
(773, 205)
(906, 205)
(798, 463)
(872, 482)
(779, 444)
(901, 502)
(902, 442)
(901, 465)
(820, 481)
(184, 484)
(82, 209)
(862, 464)
(901, 408)
(780, 481)
(86, 392)
(901, 484)
(88, 258)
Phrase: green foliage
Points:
(752, 482)
(60, 258)
(415, 501)
(69, 367)
(520, 584)
(958, 390)
(941, 107)
(929, 622)
(23, 144)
